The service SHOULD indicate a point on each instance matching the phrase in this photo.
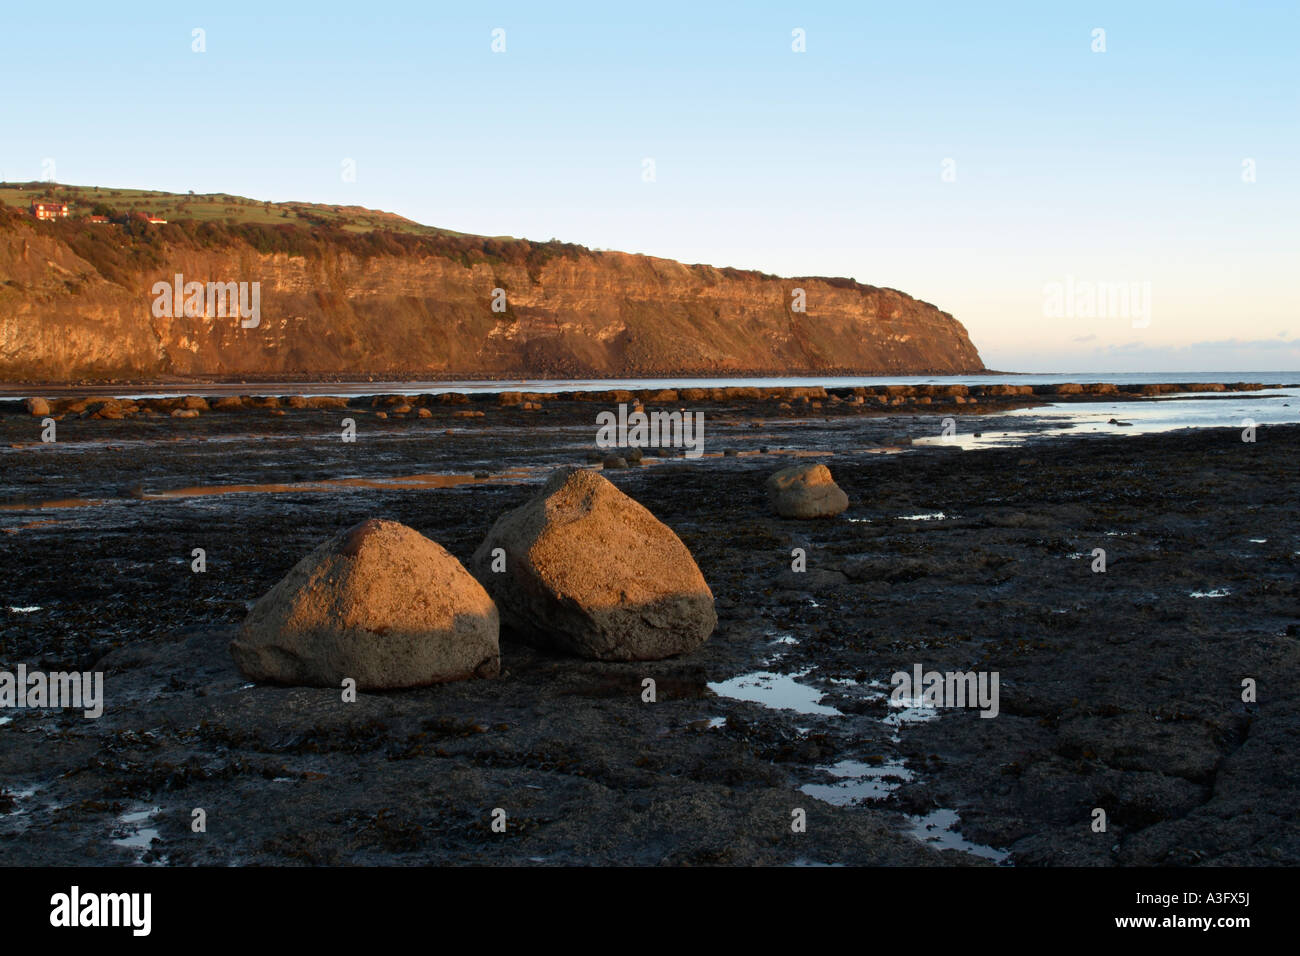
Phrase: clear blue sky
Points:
(1122, 166)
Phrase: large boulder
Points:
(37, 406)
(379, 603)
(806, 491)
(588, 571)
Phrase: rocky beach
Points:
(1119, 690)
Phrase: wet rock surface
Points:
(1119, 689)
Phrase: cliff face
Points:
(76, 303)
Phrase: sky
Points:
(1003, 161)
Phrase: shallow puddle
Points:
(775, 691)
(55, 503)
(939, 829)
(399, 483)
(909, 710)
(136, 836)
(511, 476)
(859, 782)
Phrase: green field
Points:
(210, 207)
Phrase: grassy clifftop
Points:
(221, 208)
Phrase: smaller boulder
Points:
(327, 401)
(806, 491)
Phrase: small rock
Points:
(805, 491)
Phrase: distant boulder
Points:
(379, 603)
(586, 570)
(37, 406)
(327, 401)
(805, 491)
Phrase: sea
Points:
(1243, 410)
(414, 387)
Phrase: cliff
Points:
(76, 304)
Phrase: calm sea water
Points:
(1145, 416)
(603, 384)
(1237, 410)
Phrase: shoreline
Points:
(492, 385)
(947, 559)
(216, 381)
(860, 399)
